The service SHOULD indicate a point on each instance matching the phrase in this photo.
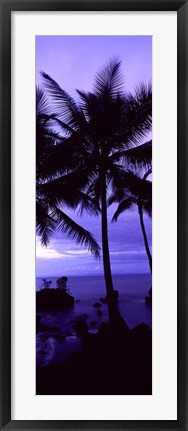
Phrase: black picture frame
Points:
(6, 7)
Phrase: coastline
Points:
(104, 364)
(55, 329)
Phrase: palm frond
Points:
(88, 203)
(94, 191)
(137, 187)
(138, 114)
(147, 207)
(137, 157)
(102, 132)
(116, 197)
(64, 105)
(109, 80)
(42, 102)
(147, 173)
(60, 159)
(120, 179)
(46, 136)
(141, 155)
(45, 224)
(128, 185)
(59, 192)
(78, 233)
(143, 92)
(123, 206)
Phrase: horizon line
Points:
(93, 275)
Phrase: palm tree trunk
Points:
(105, 244)
(115, 318)
(145, 237)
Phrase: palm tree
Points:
(135, 190)
(101, 127)
(52, 194)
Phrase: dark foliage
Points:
(54, 190)
(103, 134)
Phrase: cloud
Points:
(77, 252)
(48, 252)
(59, 56)
(127, 252)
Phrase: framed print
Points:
(93, 215)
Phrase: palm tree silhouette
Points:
(134, 190)
(52, 193)
(100, 128)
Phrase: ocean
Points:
(87, 290)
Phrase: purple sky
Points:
(73, 61)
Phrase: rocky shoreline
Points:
(106, 363)
(80, 354)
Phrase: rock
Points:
(105, 299)
(99, 313)
(119, 327)
(104, 329)
(52, 328)
(83, 316)
(148, 298)
(60, 337)
(42, 352)
(53, 299)
(93, 323)
(141, 329)
(97, 305)
(81, 327)
(45, 328)
(38, 323)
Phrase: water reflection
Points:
(55, 349)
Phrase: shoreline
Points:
(76, 352)
(104, 364)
